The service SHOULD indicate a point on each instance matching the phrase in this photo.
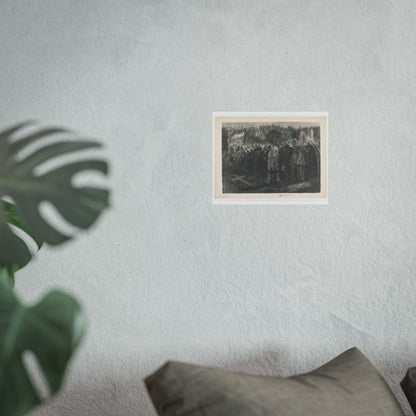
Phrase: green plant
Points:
(30, 174)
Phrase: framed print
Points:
(270, 158)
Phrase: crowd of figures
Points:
(273, 164)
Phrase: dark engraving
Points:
(276, 157)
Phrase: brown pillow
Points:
(349, 385)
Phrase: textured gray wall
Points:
(167, 275)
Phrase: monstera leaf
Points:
(12, 218)
(51, 329)
(21, 182)
(10, 212)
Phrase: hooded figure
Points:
(298, 163)
(273, 163)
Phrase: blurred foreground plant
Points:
(30, 173)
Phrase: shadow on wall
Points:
(111, 395)
(121, 397)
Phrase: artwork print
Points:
(270, 158)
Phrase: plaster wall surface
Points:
(165, 274)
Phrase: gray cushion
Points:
(349, 385)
